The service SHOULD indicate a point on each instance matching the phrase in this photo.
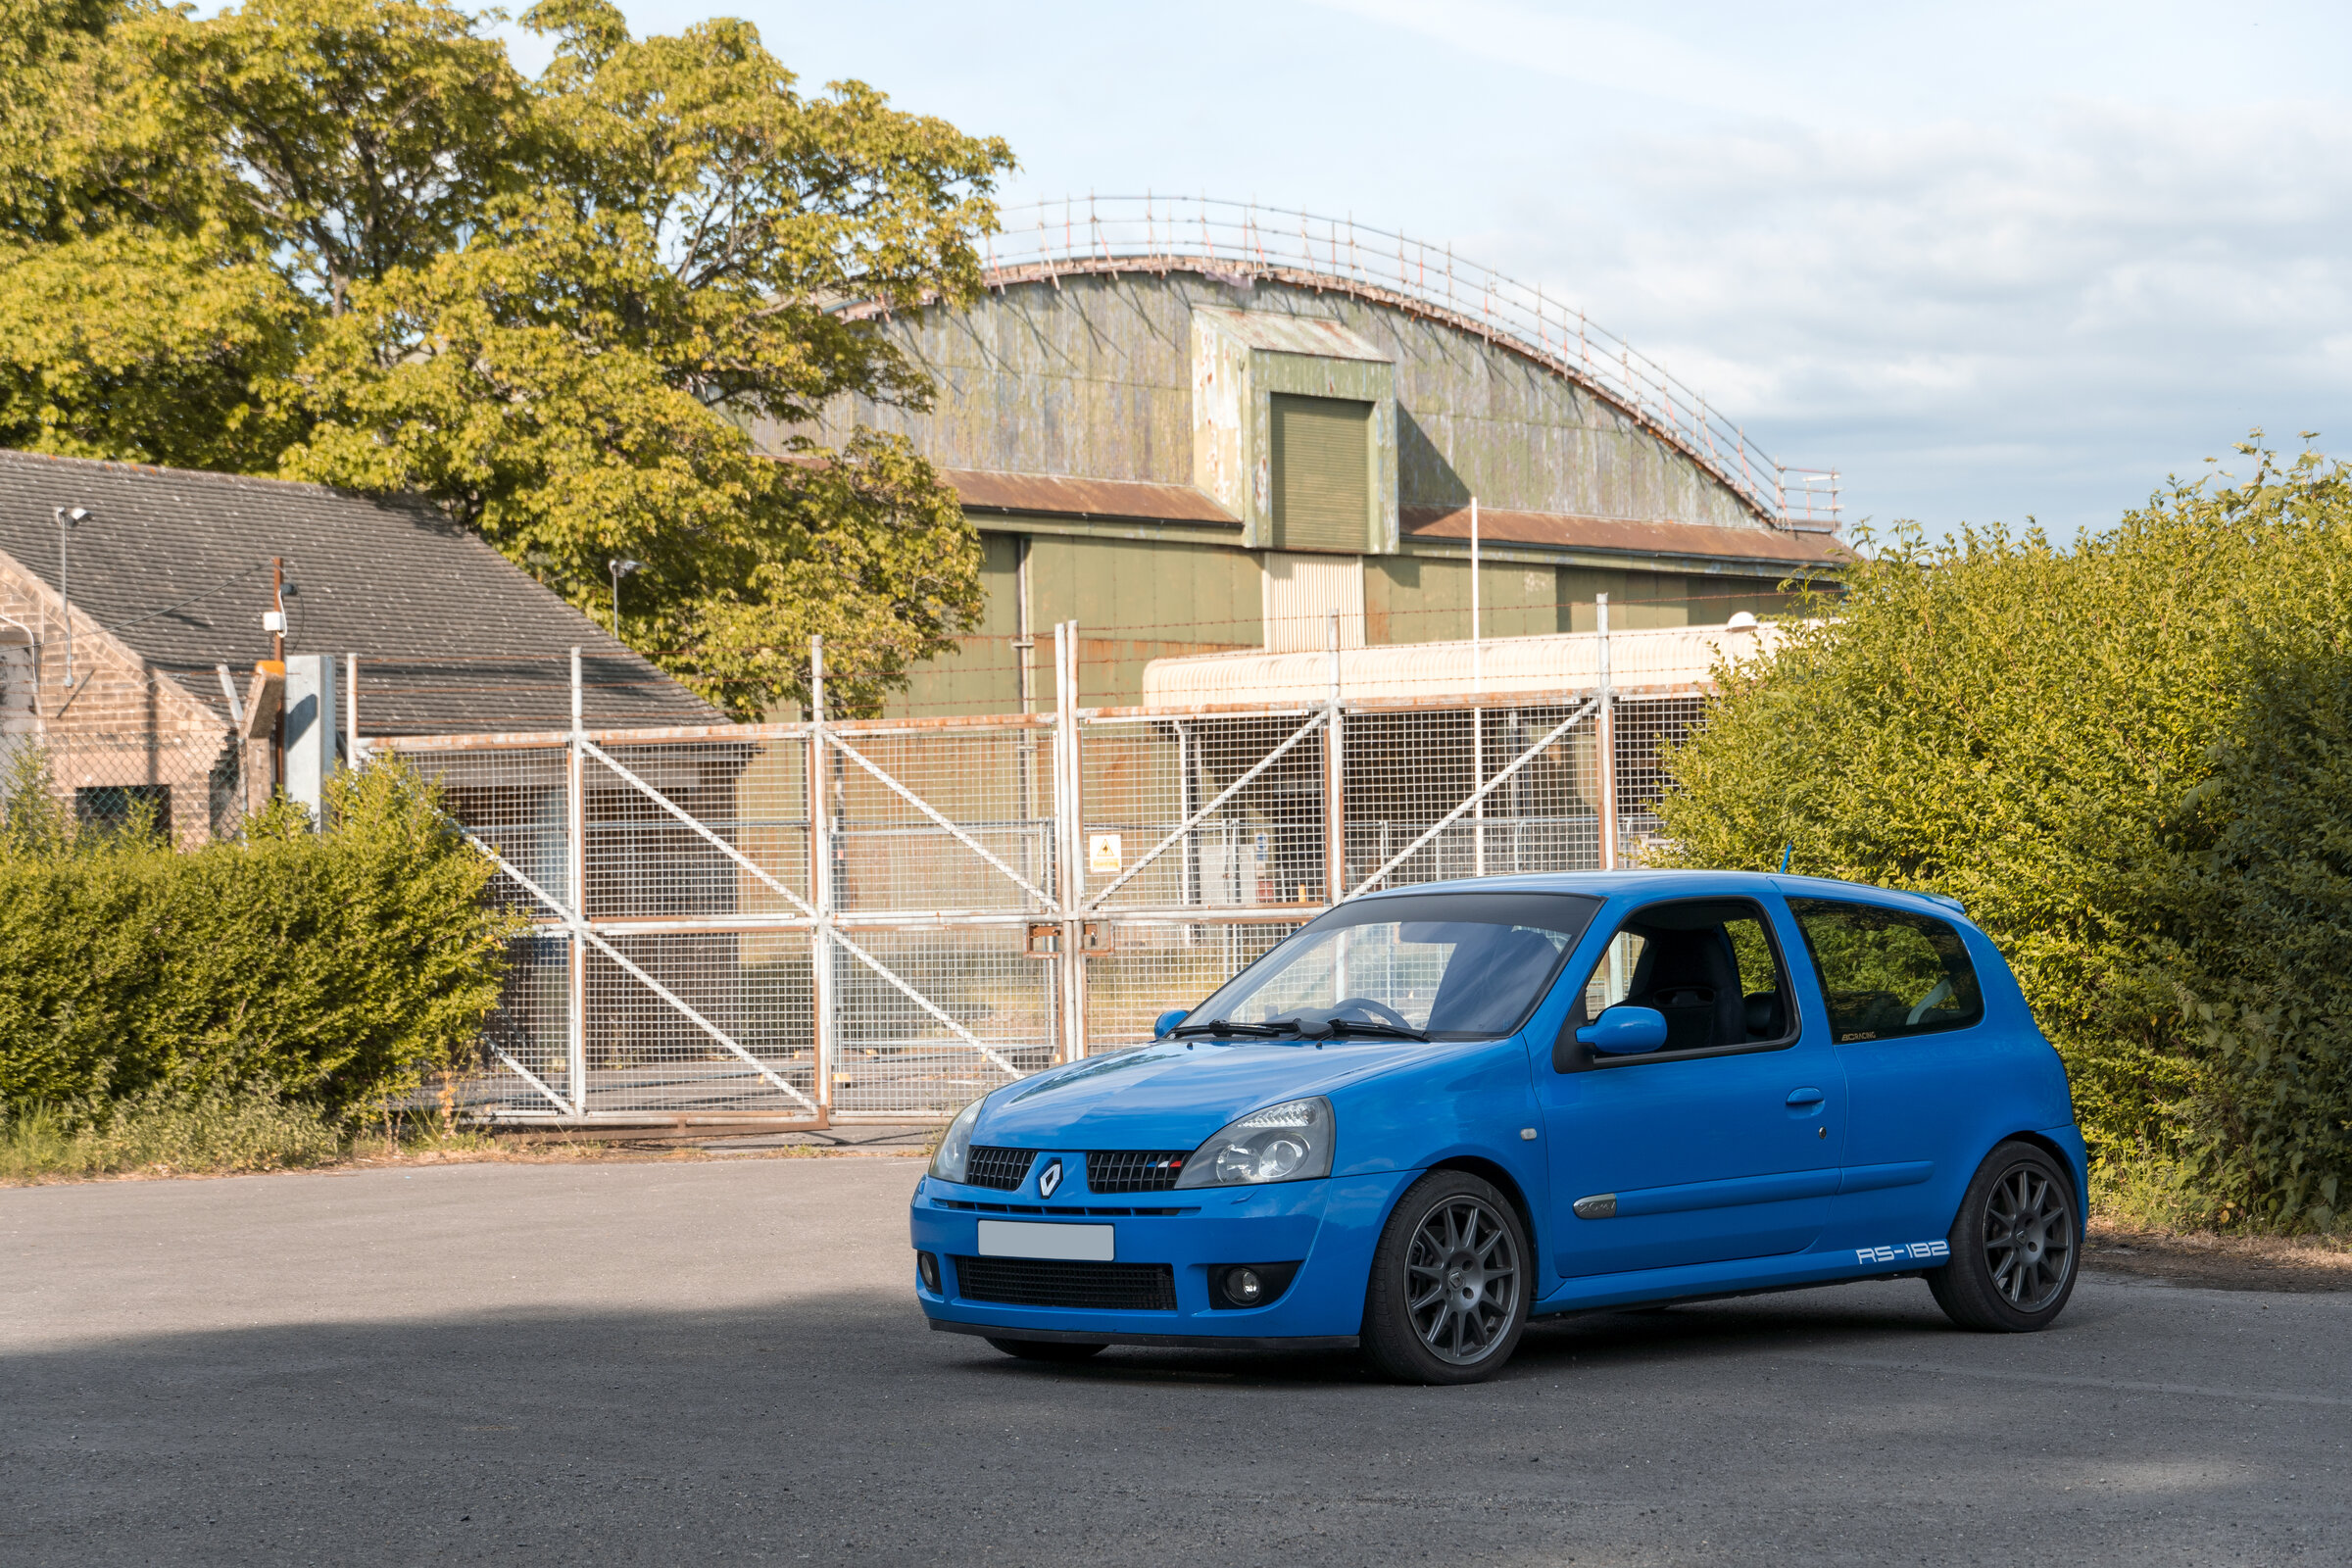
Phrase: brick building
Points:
(129, 647)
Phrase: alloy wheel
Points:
(2028, 1239)
(1461, 1280)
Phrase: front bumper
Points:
(1329, 1226)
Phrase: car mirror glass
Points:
(1625, 1031)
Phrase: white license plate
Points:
(1085, 1244)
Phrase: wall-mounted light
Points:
(66, 518)
(621, 567)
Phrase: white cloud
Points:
(2099, 288)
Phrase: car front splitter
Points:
(1171, 1342)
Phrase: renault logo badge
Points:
(1049, 1180)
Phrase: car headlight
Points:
(1286, 1143)
(954, 1152)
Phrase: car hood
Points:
(1172, 1095)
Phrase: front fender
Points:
(1473, 1105)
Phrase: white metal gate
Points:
(879, 919)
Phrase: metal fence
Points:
(879, 919)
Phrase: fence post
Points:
(575, 866)
(1335, 783)
(823, 995)
(1069, 807)
(1604, 746)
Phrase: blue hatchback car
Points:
(1434, 1114)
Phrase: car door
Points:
(1725, 1142)
(1906, 1013)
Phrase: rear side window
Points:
(1888, 972)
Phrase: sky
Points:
(1995, 262)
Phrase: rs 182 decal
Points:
(1903, 1253)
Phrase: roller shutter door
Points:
(1322, 472)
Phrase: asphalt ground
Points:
(722, 1362)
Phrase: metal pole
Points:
(66, 517)
(1335, 762)
(1606, 741)
(1478, 713)
(351, 711)
(575, 855)
(1071, 804)
(823, 998)
(278, 652)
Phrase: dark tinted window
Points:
(1707, 965)
(1888, 972)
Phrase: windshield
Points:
(1431, 967)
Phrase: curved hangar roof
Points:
(1120, 365)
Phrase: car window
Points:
(1451, 966)
(1888, 972)
(1709, 965)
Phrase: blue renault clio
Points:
(1434, 1114)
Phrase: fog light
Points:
(1244, 1288)
(926, 1269)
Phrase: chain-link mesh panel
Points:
(1264, 844)
(515, 802)
(892, 1053)
(646, 1055)
(1646, 732)
(1406, 771)
(644, 864)
(187, 788)
(530, 1027)
(1156, 966)
(994, 783)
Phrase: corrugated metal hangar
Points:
(1199, 427)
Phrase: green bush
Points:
(334, 967)
(2128, 759)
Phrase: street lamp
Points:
(66, 517)
(621, 567)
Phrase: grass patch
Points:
(164, 1135)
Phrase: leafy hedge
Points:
(330, 967)
(2132, 761)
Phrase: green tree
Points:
(2083, 746)
(344, 240)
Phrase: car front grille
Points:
(1001, 1168)
(1046, 1282)
(1134, 1171)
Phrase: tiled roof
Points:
(451, 636)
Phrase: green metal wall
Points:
(1091, 377)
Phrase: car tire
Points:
(1451, 1284)
(1059, 1350)
(2017, 1245)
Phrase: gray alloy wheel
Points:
(1048, 1350)
(1448, 1293)
(2014, 1246)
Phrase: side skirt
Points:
(1171, 1342)
(1557, 1313)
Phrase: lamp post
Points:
(621, 567)
(66, 517)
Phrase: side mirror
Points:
(1169, 1021)
(1623, 1031)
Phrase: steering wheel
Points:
(1381, 1011)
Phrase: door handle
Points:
(1804, 1099)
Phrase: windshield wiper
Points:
(1367, 1027)
(1218, 1026)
